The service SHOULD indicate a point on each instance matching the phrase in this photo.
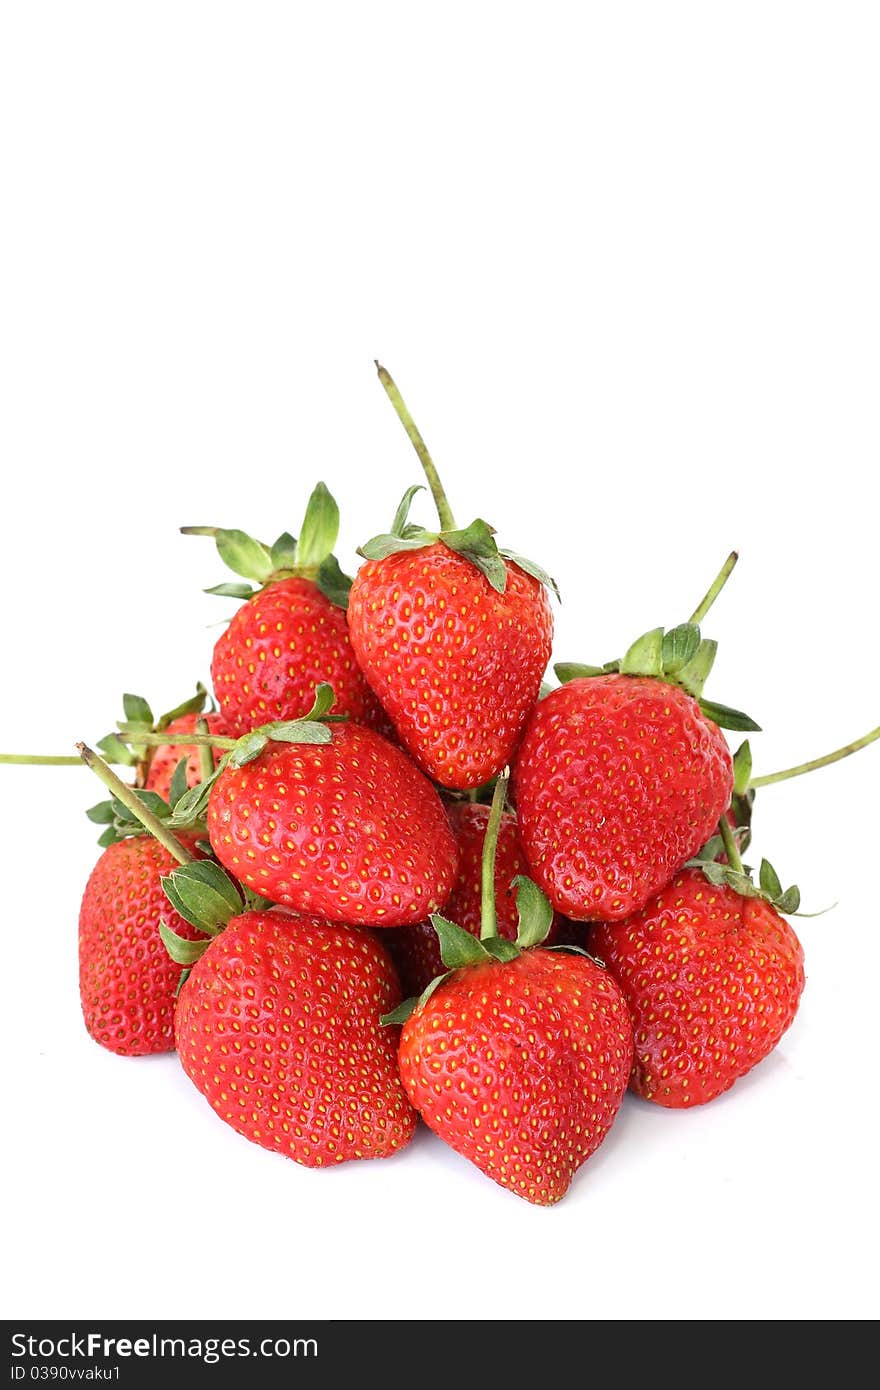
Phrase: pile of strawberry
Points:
(393, 875)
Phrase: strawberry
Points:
(127, 981)
(622, 774)
(415, 950)
(518, 1057)
(338, 823)
(712, 978)
(521, 1067)
(278, 1027)
(133, 743)
(292, 633)
(453, 635)
(167, 756)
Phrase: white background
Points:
(623, 260)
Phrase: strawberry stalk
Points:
(132, 802)
(731, 849)
(206, 757)
(488, 914)
(769, 778)
(714, 589)
(441, 501)
(39, 760)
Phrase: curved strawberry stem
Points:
(770, 777)
(40, 760)
(731, 848)
(444, 511)
(714, 589)
(133, 803)
(197, 740)
(206, 757)
(488, 915)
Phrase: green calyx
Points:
(737, 875)
(191, 805)
(207, 897)
(680, 656)
(459, 948)
(139, 719)
(476, 543)
(310, 557)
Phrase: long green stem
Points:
(206, 755)
(132, 801)
(197, 740)
(714, 589)
(40, 760)
(730, 845)
(444, 511)
(488, 916)
(770, 777)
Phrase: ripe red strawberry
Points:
(453, 634)
(291, 634)
(278, 648)
(456, 664)
(167, 756)
(348, 828)
(127, 981)
(712, 979)
(521, 1067)
(415, 950)
(619, 780)
(278, 1027)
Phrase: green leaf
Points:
(457, 947)
(181, 951)
(320, 529)
(790, 901)
(742, 769)
(501, 949)
(399, 1015)
(382, 546)
(332, 582)
(712, 848)
(178, 782)
(283, 552)
(203, 894)
(292, 731)
(137, 710)
(102, 813)
(115, 751)
(108, 837)
(248, 748)
(534, 911)
(715, 873)
(573, 671)
(192, 805)
(727, 718)
(679, 647)
(769, 881)
(401, 516)
(740, 883)
(194, 705)
(243, 555)
(645, 656)
(534, 570)
(153, 802)
(322, 703)
(693, 676)
(184, 976)
(232, 590)
(476, 543)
